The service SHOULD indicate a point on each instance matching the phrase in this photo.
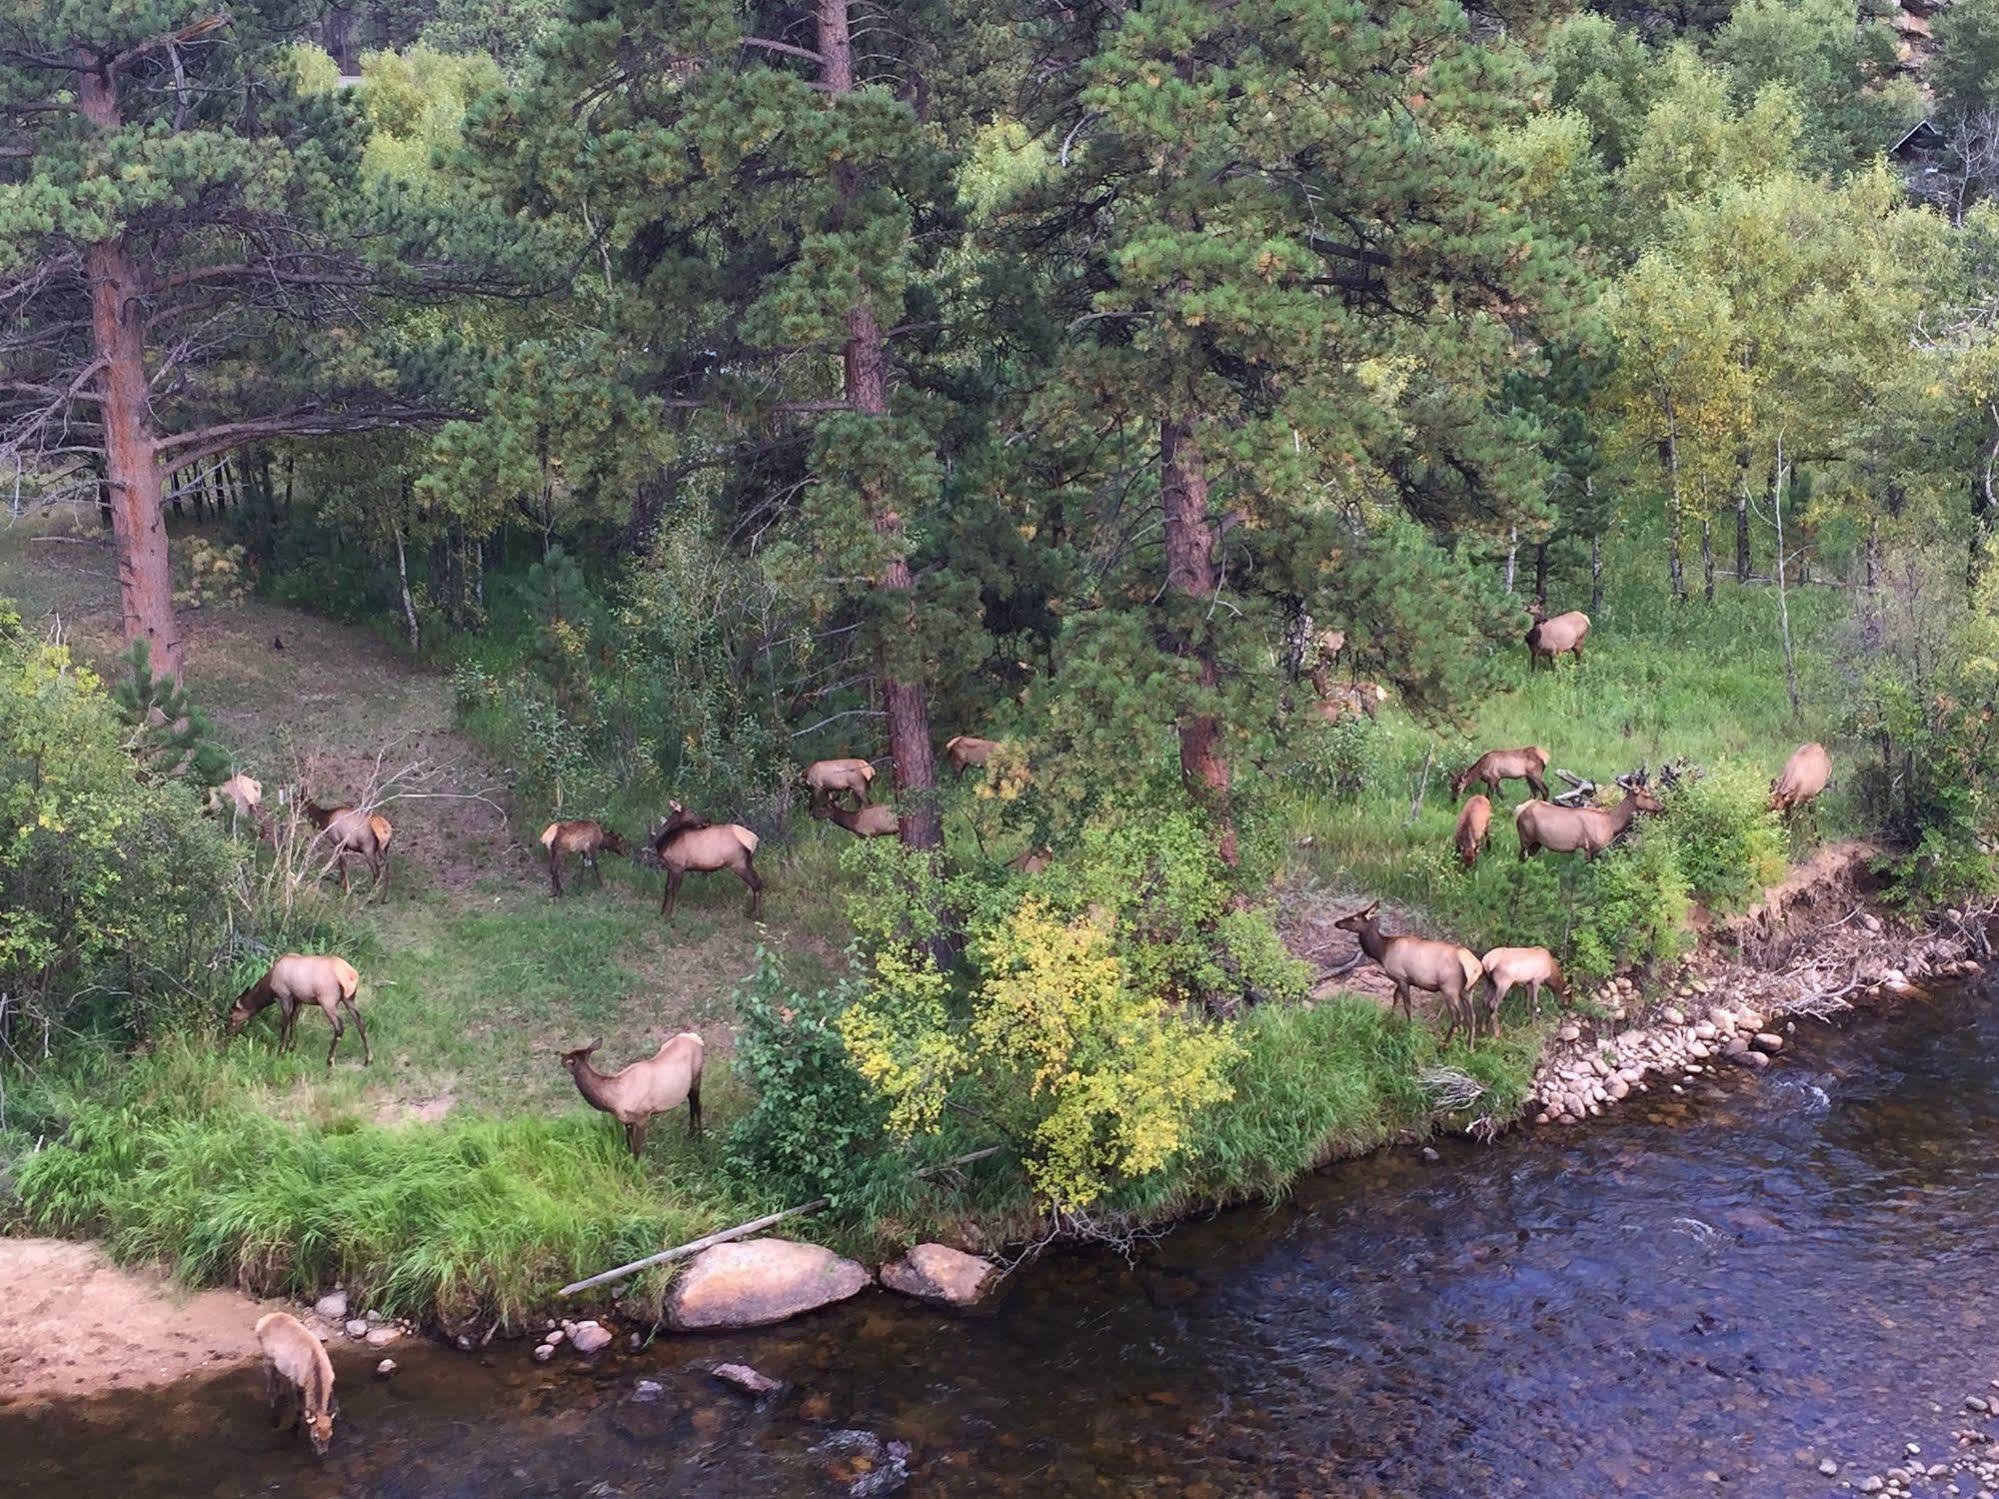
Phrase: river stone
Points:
(385, 1368)
(744, 1378)
(1767, 1041)
(381, 1337)
(1673, 1016)
(1570, 1033)
(756, 1282)
(590, 1337)
(357, 1329)
(332, 1307)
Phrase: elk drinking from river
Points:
(296, 1368)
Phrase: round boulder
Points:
(944, 1276)
(756, 1282)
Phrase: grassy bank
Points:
(460, 1173)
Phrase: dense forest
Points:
(715, 387)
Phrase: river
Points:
(1708, 1292)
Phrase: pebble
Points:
(555, 1337)
(1872, 1484)
(333, 1308)
(385, 1368)
(381, 1337)
(544, 1352)
(1673, 1016)
(357, 1329)
(1430, 1153)
(1977, 1403)
(1767, 1041)
(647, 1390)
(743, 1377)
(1828, 1467)
(1570, 1033)
(589, 1337)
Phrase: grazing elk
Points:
(1507, 968)
(1420, 963)
(826, 779)
(242, 796)
(968, 751)
(1551, 638)
(685, 843)
(586, 837)
(1804, 776)
(297, 980)
(1584, 830)
(1473, 823)
(352, 830)
(878, 821)
(633, 1095)
(1353, 698)
(296, 1369)
(1529, 764)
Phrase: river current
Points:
(1710, 1292)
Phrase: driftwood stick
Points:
(743, 1230)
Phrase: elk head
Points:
(1358, 921)
(1636, 787)
(573, 1061)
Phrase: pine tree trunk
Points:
(1541, 574)
(1190, 572)
(866, 379)
(131, 465)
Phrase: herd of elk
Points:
(295, 981)
(354, 830)
(635, 1094)
(685, 844)
(585, 837)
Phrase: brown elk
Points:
(1529, 764)
(878, 821)
(297, 980)
(1506, 968)
(296, 1368)
(1420, 963)
(1585, 830)
(1354, 698)
(634, 1094)
(1551, 638)
(352, 830)
(243, 797)
(826, 779)
(1804, 776)
(585, 837)
(685, 843)
(1031, 860)
(968, 751)
(1473, 823)
(1329, 644)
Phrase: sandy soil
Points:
(76, 1324)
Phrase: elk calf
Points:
(1803, 777)
(632, 1096)
(1506, 968)
(296, 980)
(584, 836)
(296, 1369)
(352, 831)
(1529, 764)
(1473, 822)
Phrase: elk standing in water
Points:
(967, 751)
(1419, 963)
(686, 843)
(1473, 822)
(583, 836)
(1506, 968)
(1552, 638)
(658, 1085)
(1529, 764)
(1585, 830)
(878, 821)
(352, 831)
(1804, 776)
(296, 1368)
(826, 779)
(297, 980)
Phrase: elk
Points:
(1329, 645)
(1552, 638)
(1585, 830)
(1506, 968)
(685, 843)
(1804, 776)
(296, 1368)
(1350, 697)
(1420, 963)
(1031, 860)
(1529, 764)
(826, 779)
(584, 836)
(352, 830)
(297, 980)
(878, 821)
(634, 1094)
(967, 751)
(242, 796)
(1473, 823)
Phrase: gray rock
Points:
(554, 1337)
(589, 1337)
(1570, 1033)
(646, 1391)
(332, 1307)
(385, 1368)
(1828, 1467)
(1872, 1484)
(944, 1276)
(1672, 1015)
(1977, 1403)
(381, 1337)
(744, 1378)
(1767, 1041)
(357, 1329)
(543, 1352)
(756, 1282)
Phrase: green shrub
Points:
(1338, 760)
(1631, 907)
(1729, 844)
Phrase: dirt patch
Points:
(76, 1324)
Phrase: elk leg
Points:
(1579, 655)
(631, 1139)
(287, 1028)
(671, 893)
(339, 1030)
(380, 864)
(272, 1392)
(1452, 1015)
(344, 890)
(360, 1029)
(1540, 787)
(756, 885)
(639, 1138)
(595, 873)
(555, 874)
(694, 1108)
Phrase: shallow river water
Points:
(1717, 1288)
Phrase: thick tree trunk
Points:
(865, 360)
(1742, 523)
(1191, 573)
(1541, 574)
(131, 467)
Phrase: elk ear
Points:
(1369, 911)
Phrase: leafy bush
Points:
(1631, 908)
(1339, 760)
(1729, 844)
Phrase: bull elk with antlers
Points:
(1584, 830)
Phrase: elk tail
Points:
(745, 837)
(548, 834)
(1474, 969)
